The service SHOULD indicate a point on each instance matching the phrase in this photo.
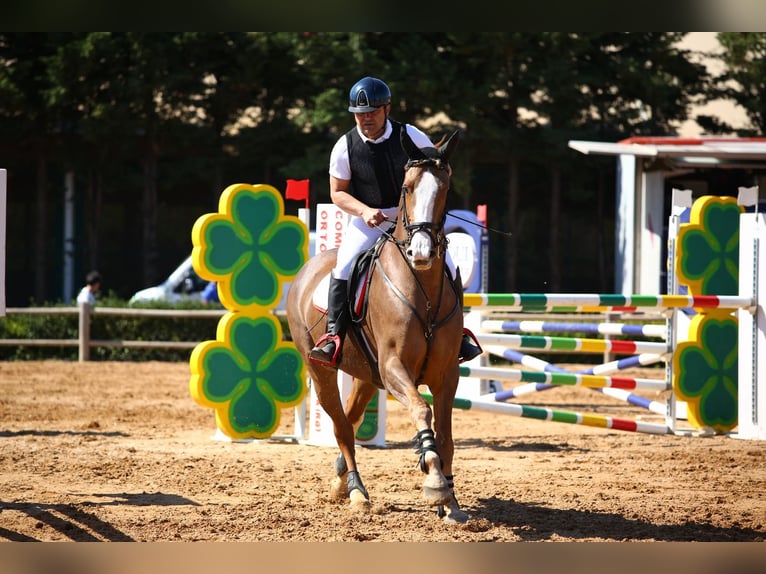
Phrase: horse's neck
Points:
(408, 279)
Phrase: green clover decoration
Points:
(708, 247)
(249, 247)
(248, 374)
(249, 377)
(705, 366)
(706, 372)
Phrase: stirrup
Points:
(469, 347)
(319, 356)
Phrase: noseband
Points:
(435, 230)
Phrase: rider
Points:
(366, 175)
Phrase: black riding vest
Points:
(377, 169)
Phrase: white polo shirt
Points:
(340, 167)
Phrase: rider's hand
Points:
(373, 216)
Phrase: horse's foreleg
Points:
(442, 408)
(451, 511)
(435, 487)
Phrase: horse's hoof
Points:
(437, 496)
(455, 516)
(359, 503)
(338, 490)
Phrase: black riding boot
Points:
(469, 346)
(326, 351)
(468, 350)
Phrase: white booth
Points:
(644, 166)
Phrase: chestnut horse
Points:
(412, 327)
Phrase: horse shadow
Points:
(519, 445)
(497, 445)
(77, 524)
(34, 432)
(533, 522)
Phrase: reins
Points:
(435, 230)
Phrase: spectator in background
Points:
(210, 293)
(88, 293)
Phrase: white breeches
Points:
(359, 237)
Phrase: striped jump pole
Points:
(657, 407)
(572, 344)
(525, 361)
(607, 329)
(564, 378)
(545, 414)
(588, 302)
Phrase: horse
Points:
(408, 336)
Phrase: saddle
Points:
(358, 292)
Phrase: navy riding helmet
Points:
(367, 95)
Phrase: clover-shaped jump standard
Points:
(248, 374)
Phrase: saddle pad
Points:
(320, 294)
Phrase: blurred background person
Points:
(88, 293)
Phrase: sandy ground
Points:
(120, 452)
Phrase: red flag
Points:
(298, 189)
(481, 213)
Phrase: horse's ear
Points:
(412, 151)
(449, 146)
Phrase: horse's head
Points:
(423, 206)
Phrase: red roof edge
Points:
(670, 140)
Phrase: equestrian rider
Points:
(366, 175)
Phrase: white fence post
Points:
(3, 208)
(752, 329)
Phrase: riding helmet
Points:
(367, 95)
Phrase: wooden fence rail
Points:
(85, 343)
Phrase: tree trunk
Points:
(93, 209)
(554, 218)
(217, 182)
(41, 231)
(601, 255)
(512, 225)
(149, 216)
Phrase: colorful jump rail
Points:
(587, 302)
(613, 329)
(539, 365)
(572, 344)
(488, 404)
(565, 379)
(715, 367)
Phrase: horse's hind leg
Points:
(361, 394)
(329, 398)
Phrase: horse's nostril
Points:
(409, 253)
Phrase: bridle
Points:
(428, 316)
(435, 230)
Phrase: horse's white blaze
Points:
(425, 195)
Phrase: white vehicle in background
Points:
(183, 284)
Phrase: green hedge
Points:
(108, 328)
